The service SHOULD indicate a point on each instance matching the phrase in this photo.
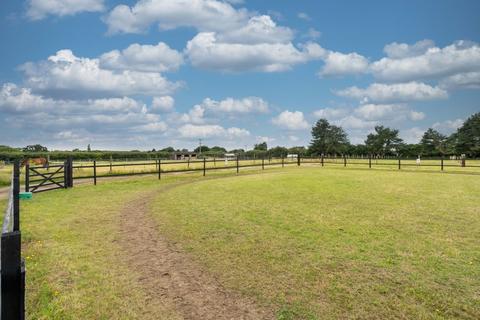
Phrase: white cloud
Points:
(354, 122)
(155, 127)
(460, 57)
(399, 92)
(259, 29)
(403, 50)
(14, 99)
(304, 16)
(394, 112)
(412, 135)
(448, 126)
(195, 115)
(266, 139)
(148, 58)
(230, 105)
(331, 113)
(162, 104)
(208, 131)
(291, 120)
(206, 52)
(467, 80)
(211, 15)
(39, 9)
(337, 63)
(64, 74)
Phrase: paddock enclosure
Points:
(297, 238)
(63, 174)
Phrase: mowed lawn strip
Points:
(324, 243)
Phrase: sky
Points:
(125, 75)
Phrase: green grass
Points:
(313, 243)
(336, 243)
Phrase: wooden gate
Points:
(41, 179)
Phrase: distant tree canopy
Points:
(35, 148)
(384, 141)
(261, 146)
(327, 139)
(467, 137)
(433, 143)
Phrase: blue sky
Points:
(157, 73)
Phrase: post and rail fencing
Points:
(12, 292)
(62, 176)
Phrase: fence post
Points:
(237, 165)
(298, 159)
(95, 172)
(344, 160)
(110, 164)
(322, 159)
(188, 162)
(65, 174)
(441, 163)
(399, 165)
(13, 294)
(283, 161)
(70, 172)
(16, 197)
(263, 163)
(204, 162)
(27, 177)
(214, 162)
(159, 169)
(370, 161)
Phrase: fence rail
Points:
(62, 176)
(12, 272)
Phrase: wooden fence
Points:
(12, 264)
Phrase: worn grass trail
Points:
(169, 276)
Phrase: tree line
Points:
(327, 139)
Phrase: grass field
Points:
(311, 243)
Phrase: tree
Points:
(278, 152)
(88, 148)
(261, 147)
(201, 149)
(467, 137)
(433, 142)
(384, 141)
(168, 149)
(35, 148)
(327, 139)
(218, 149)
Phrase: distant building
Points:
(184, 156)
(230, 156)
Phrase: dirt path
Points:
(168, 274)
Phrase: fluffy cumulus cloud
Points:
(331, 113)
(337, 64)
(14, 99)
(207, 52)
(148, 58)
(399, 92)
(162, 104)
(403, 50)
(39, 9)
(168, 14)
(231, 105)
(448, 126)
(429, 62)
(393, 112)
(291, 120)
(66, 75)
(467, 80)
(192, 131)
